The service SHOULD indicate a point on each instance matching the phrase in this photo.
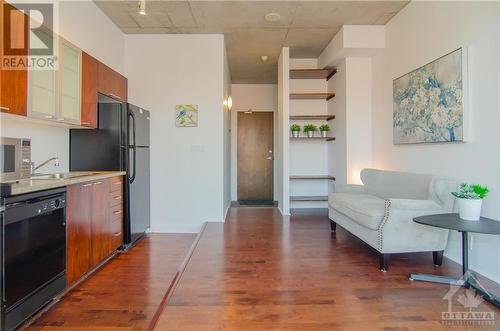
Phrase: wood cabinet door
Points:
(111, 83)
(78, 231)
(100, 240)
(89, 91)
(14, 83)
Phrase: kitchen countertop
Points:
(32, 185)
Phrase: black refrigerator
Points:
(120, 143)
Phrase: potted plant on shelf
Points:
(310, 129)
(295, 128)
(470, 198)
(324, 130)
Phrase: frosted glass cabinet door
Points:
(42, 96)
(70, 107)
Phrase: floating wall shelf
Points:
(312, 177)
(314, 138)
(312, 117)
(308, 198)
(310, 96)
(325, 73)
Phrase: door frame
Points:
(234, 150)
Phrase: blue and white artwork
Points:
(429, 102)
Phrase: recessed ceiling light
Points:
(142, 7)
(272, 17)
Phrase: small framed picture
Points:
(186, 115)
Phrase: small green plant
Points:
(324, 127)
(310, 128)
(471, 192)
(295, 128)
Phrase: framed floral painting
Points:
(429, 102)
(186, 115)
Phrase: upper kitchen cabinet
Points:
(89, 91)
(13, 81)
(42, 82)
(70, 82)
(111, 83)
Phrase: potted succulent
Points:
(470, 198)
(310, 129)
(324, 130)
(295, 128)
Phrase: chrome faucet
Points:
(33, 168)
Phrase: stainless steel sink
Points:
(61, 176)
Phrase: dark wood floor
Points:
(260, 271)
(125, 293)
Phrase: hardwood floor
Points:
(125, 293)
(260, 271)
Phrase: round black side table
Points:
(454, 222)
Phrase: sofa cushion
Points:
(366, 210)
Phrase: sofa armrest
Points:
(416, 205)
(349, 188)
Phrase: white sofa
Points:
(380, 212)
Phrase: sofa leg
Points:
(437, 256)
(333, 225)
(384, 262)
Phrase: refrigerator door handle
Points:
(131, 176)
(132, 119)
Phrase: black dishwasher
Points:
(33, 253)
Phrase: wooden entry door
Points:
(255, 157)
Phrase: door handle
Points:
(269, 158)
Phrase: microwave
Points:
(15, 158)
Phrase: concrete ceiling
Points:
(305, 26)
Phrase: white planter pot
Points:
(470, 209)
(295, 134)
(324, 133)
(310, 134)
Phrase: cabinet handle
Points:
(117, 197)
(97, 183)
(86, 185)
(4, 108)
(116, 234)
(114, 96)
(60, 119)
(117, 212)
(85, 123)
(48, 116)
(117, 183)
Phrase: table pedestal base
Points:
(469, 281)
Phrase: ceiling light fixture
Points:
(142, 7)
(264, 58)
(272, 17)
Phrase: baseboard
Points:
(281, 212)
(175, 228)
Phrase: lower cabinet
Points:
(94, 224)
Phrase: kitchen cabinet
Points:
(70, 82)
(94, 224)
(111, 83)
(13, 83)
(42, 91)
(55, 94)
(89, 91)
(78, 231)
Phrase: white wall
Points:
(257, 97)
(226, 138)
(422, 32)
(86, 26)
(187, 164)
(283, 143)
